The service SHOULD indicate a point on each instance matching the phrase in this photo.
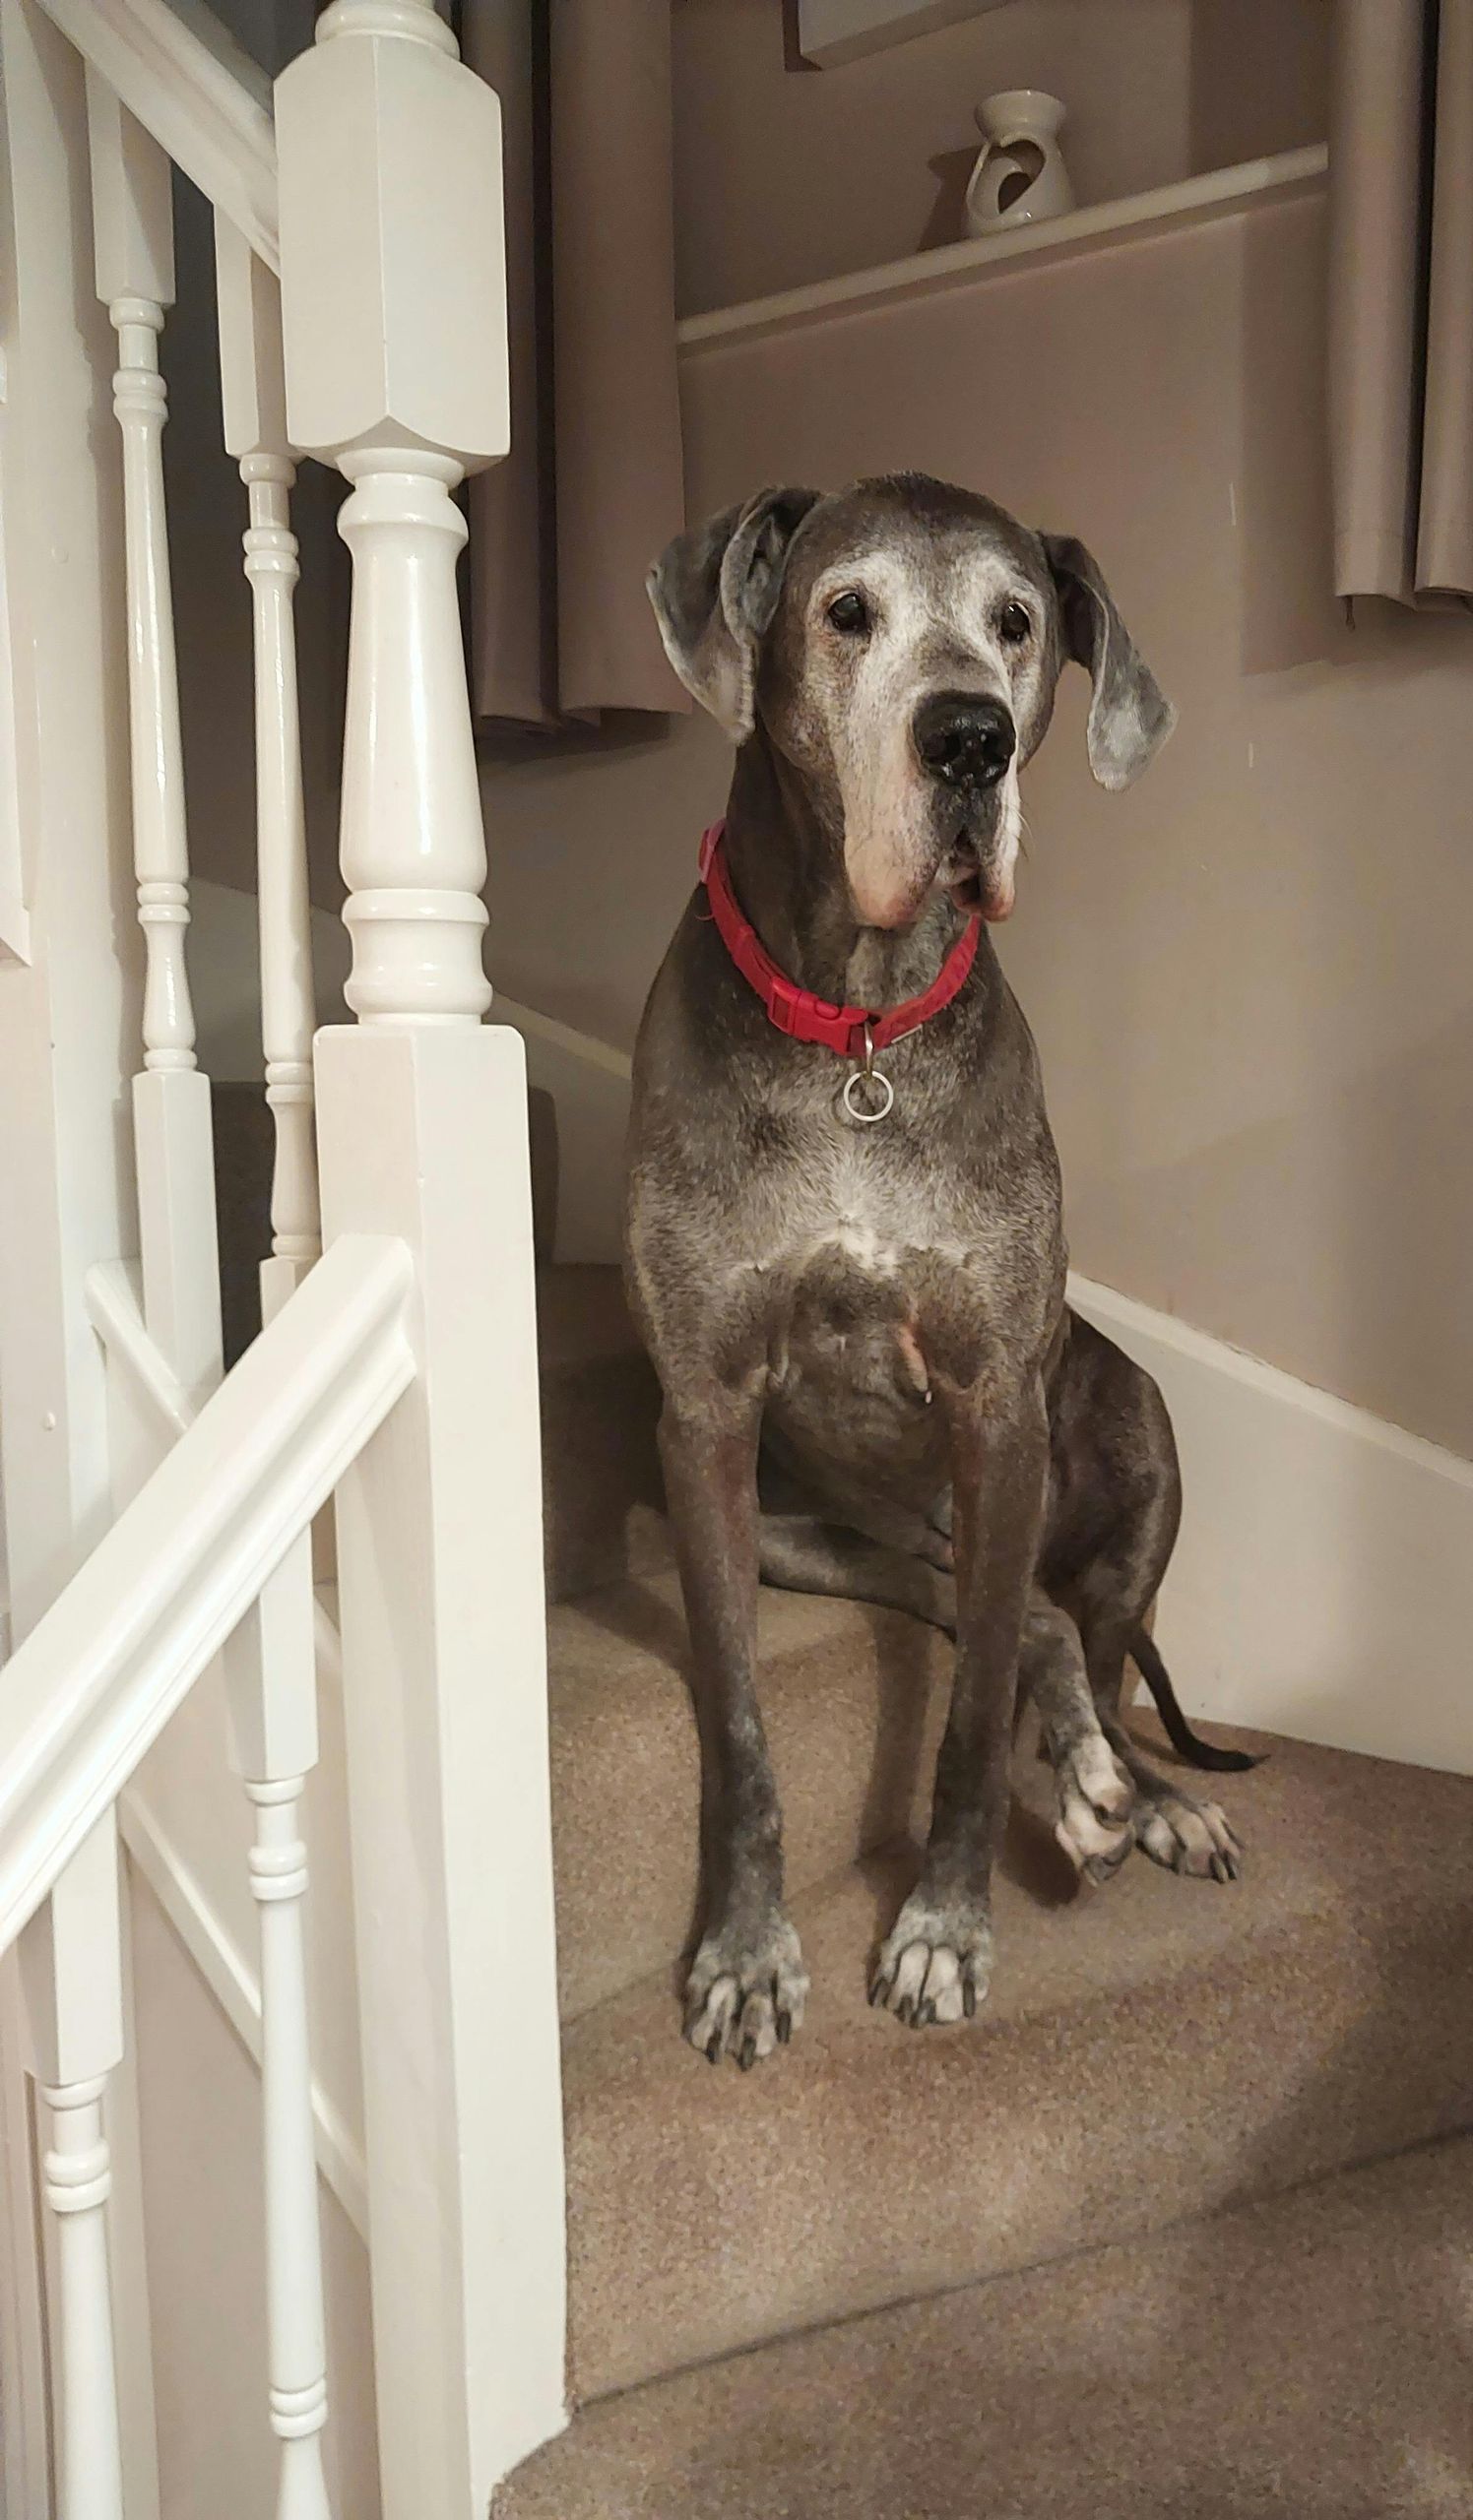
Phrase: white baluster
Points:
(392, 310)
(253, 394)
(133, 220)
(272, 1695)
(71, 1963)
(133, 232)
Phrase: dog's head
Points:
(899, 642)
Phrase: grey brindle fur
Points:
(866, 1324)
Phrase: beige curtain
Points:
(1401, 299)
(562, 532)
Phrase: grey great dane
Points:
(844, 1251)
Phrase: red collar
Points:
(797, 1012)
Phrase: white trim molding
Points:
(1322, 1585)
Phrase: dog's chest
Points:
(855, 1251)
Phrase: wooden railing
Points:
(361, 322)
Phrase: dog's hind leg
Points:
(803, 1553)
(1096, 1798)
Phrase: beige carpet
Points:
(1310, 2359)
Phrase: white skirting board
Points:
(1322, 1585)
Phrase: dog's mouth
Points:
(970, 886)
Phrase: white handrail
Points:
(183, 76)
(98, 1678)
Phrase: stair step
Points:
(1305, 2354)
(853, 1699)
(1150, 2049)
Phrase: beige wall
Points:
(786, 174)
(1250, 978)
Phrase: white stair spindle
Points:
(71, 1962)
(272, 1695)
(132, 233)
(253, 396)
(393, 309)
(133, 220)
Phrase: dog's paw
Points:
(1096, 1800)
(936, 1965)
(746, 1992)
(1188, 1836)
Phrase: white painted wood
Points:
(393, 268)
(133, 218)
(24, 2435)
(71, 1961)
(831, 32)
(273, 1688)
(185, 78)
(444, 1649)
(1170, 208)
(96, 1679)
(394, 311)
(1322, 1585)
(233, 1980)
(254, 400)
(66, 1013)
(14, 913)
(114, 1305)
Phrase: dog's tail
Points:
(1186, 1743)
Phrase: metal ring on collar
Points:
(868, 1075)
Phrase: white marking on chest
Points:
(865, 1246)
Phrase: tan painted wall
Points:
(786, 174)
(1252, 979)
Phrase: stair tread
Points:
(1308, 2354)
(852, 1699)
(1148, 2050)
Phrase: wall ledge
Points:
(1170, 209)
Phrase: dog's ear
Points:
(715, 591)
(1129, 715)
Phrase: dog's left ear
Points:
(715, 591)
(1129, 715)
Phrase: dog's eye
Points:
(1015, 623)
(849, 612)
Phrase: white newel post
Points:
(71, 1963)
(394, 321)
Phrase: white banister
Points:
(71, 1961)
(182, 75)
(393, 309)
(274, 1747)
(96, 1679)
(254, 400)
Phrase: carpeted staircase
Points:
(1181, 2224)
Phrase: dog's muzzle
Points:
(966, 739)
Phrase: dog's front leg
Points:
(936, 1965)
(748, 1986)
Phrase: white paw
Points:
(1095, 1803)
(936, 1965)
(1188, 1836)
(745, 1994)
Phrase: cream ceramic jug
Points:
(1020, 173)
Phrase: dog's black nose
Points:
(964, 738)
